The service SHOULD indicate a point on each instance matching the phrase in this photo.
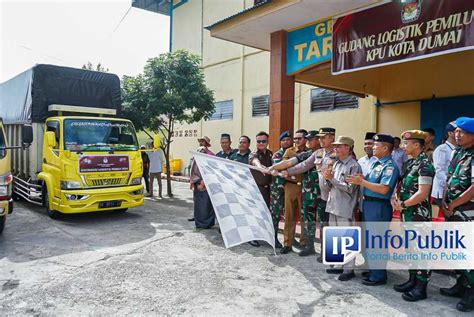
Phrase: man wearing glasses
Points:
(262, 158)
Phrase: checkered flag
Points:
(241, 211)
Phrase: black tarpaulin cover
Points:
(26, 97)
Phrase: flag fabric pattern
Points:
(240, 209)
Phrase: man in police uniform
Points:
(414, 204)
(458, 204)
(277, 188)
(379, 184)
(226, 143)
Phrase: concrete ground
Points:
(150, 261)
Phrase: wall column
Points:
(282, 91)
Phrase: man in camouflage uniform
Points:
(458, 204)
(277, 188)
(414, 204)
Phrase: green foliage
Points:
(97, 68)
(170, 90)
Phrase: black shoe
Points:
(319, 259)
(373, 283)
(334, 271)
(191, 219)
(254, 243)
(407, 286)
(467, 302)
(416, 293)
(456, 291)
(365, 274)
(285, 250)
(309, 248)
(346, 276)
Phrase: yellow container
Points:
(175, 166)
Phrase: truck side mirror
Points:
(156, 141)
(51, 139)
(27, 134)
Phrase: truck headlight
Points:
(5, 190)
(70, 185)
(136, 181)
(6, 185)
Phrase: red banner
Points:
(103, 163)
(399, 31)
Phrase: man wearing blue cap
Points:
(379, 184)
(441, 158)
(277, 188)
(458, 204)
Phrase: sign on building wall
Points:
(308, 46)
(401, 31)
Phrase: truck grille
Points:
(104, 182)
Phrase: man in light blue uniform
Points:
(379, 184)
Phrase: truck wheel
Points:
(2, 223)
(53, 214)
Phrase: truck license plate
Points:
(110, 204)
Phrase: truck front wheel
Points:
(53, 214)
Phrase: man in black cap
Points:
(366, 161)
(379, 184)
(226, 143)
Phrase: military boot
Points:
(467, 302)
(416, 293)
(309, 248)
(456, 291)
(407, 286)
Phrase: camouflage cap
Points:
(414, 135)
(311, 134)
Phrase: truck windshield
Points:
(99, 135)
(3, 152)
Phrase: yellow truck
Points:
(6, 178)
(84, 157)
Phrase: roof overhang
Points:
(158, 6)
(253, 27)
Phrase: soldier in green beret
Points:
(414, 204)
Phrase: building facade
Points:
(244, 58)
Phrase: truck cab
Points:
(89, 163)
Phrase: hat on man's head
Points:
(465, 123)
(414, 135)
(386, 138)
(225, 136)
(142, 147)
(450, 127)
(311, 134)
(344, 140)
(285, 134)
(370, 135)
(205, 138)
(324, 131)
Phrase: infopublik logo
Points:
(341, 244)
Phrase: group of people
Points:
(317, 174)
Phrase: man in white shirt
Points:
(156, 162)
(398, 155)
(441, 158)
(366, 161)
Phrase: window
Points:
(54, 127)
(260, 106)
(325, 99)
(223, 110)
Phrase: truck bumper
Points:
(128, 196)
(4, 208)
